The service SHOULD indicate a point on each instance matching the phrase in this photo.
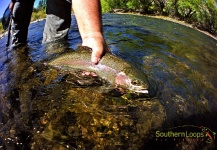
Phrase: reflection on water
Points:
(40, 110)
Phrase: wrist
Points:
(92, 35)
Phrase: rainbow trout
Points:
(111, 68)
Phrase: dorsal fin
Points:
(84, 48)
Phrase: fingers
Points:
(98, 45)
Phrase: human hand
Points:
(11, 6)
(98, 45)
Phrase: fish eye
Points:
(135, 82)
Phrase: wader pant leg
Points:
(22, 12)
(58, 20)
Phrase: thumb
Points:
(97, 53)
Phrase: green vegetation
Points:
(40, 11)
(201, 13)
(1, 29)
(38, 14)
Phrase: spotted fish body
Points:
(112, 68)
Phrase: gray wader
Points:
(58, 20)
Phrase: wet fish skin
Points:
(112, 68)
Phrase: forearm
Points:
(88, 15)
(89, 18)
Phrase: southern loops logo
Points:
(200, 133)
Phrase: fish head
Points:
(131, 82)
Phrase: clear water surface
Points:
(39, 110)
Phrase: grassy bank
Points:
(185, 24)
(1, 29)
(176, 20)
(202, 14)
(38, 14)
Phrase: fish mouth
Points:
(145, 91)
(139, 89)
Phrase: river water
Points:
(39, 110)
